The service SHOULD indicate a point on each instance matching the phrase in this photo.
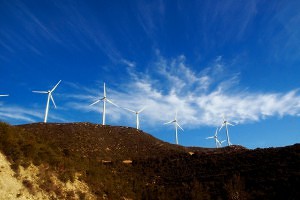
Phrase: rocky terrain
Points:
(90, 161)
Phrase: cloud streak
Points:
(17, 114)
(201, 98)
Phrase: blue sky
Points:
(203, 58)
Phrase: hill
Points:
(125, 163)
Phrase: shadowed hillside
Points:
(103, 142)
(122, 162)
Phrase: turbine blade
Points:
(52, 100)
(222, 141)
(129, 110)
(221, 127)
(169, 122)
(112, 103)
(230, 124)
(55, 86)
(179, 126)
(211, 137)
(142, 109)
(95, 102)
(216, 133)
(41, 92)
(4, 95)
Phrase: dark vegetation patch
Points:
(159, 170)
(29, 186)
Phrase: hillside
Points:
(102, 142)
(125, 163)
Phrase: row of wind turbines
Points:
(104, 99)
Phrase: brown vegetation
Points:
(157, 170)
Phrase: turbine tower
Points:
(137, 115)
(218, 143)
(226, 123)
(176, 126)
(49, 92)
(104, 99)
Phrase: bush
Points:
(29, 186)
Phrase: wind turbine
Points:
(49, 92)
(104, 99)
(137, 115)
(176, 126)
(226, 123)
(218, 143)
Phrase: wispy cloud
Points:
(18, 114)
(35, 25)
(68, 25)
(151, 17)
(201, 98)
(26, 29)
(284, 42)
(84, 25)
(128, 63)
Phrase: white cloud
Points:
(200, 97)
(128, 63)
(18, 113)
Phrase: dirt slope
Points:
(12, 187)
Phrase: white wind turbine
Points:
(104, 99)
(176, 126)
(137, 115)
(226, 123)
(49, 92)
(218, 143)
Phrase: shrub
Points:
(29, 186)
